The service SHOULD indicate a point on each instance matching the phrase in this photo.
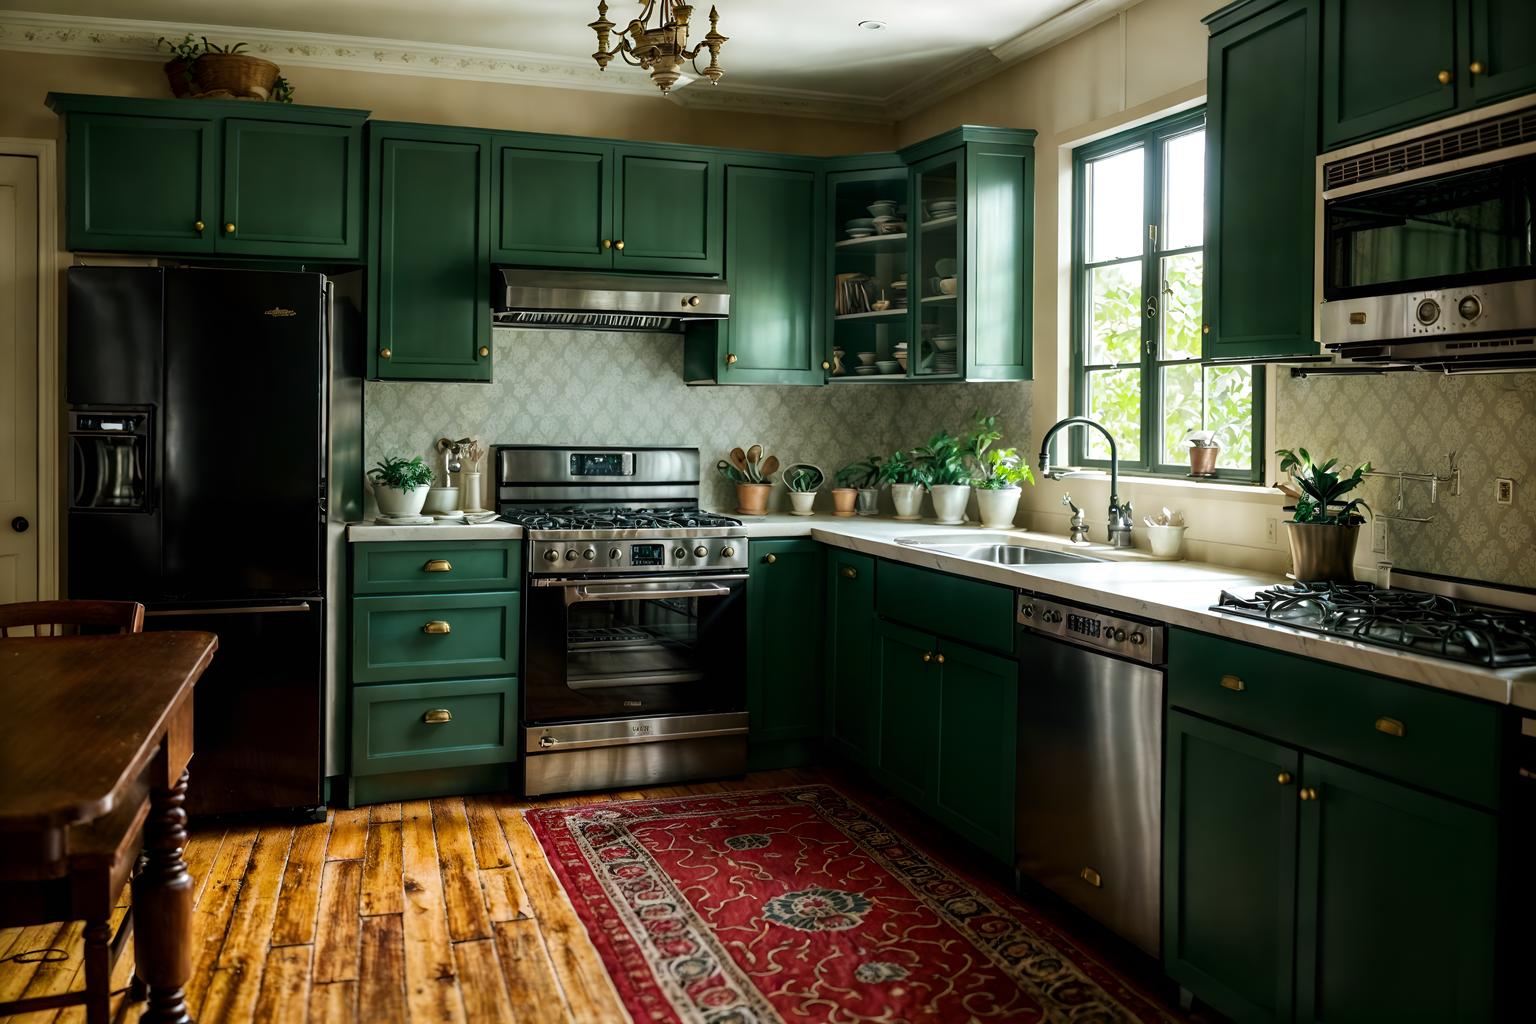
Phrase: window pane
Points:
(1114, 314)
(1229, 412)
(1184, 191)
(1183, 400)
(1181, 306)
(1114, 399)
(1114, 192)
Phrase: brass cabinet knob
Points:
(1092, 877)
(1476, 67)
(730, 359)
(1205, 329)
(437, 627)
(1390, 726)
(229, 228)
(770, 559)
(1308, 794)
(437, 716)
(607, 243)
(927, 656)
(849, 572)
(485, 350)
(1444, 78)
(619, 244)
(1233, 683)
(198, 227)
(939, 658)
(826, 365)
(1284, 778)
(438, 565)
(385, 352)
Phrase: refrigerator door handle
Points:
(258, 609)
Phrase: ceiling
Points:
(810, 48)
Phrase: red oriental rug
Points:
(798, 905)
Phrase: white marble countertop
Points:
(373, 532)
(1179, 593)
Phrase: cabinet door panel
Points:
(1381, 64)
(291, 189)
(854, 695)
(1229, 868)
(555, 208)
(433, 263)
(906, 752)
(978, 706)
(1395, 914)
(997, 297)
(667, 212)
(784, 662)
(140, 184)
(1499, 37)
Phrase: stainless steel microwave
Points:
(1425, 242)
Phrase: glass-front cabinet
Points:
(938, 256)
(870, 260)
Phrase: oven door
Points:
(634, 647)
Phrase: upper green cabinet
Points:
(178, 177)
(1260, 174)
(784, 670)
(1387, 66)
(429, 276)
(773, 262)
(596, 205)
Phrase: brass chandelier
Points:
(663, 49)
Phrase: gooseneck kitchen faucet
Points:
(1119, 514)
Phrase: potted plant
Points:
(803, 480)
(178, 70)
(1203, 450)
(400, 485)
(863, 478)
(753, 476)
(998, 474)
(906, 474)
(948, 477)
(207, 70)
(1325, 528)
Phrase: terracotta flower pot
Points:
(1202, 461)
(843, 499)
(752, 499)
(1322, 551)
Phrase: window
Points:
(1138, 232)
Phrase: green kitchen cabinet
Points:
(666, 210)
(434, 636)
(774, 263)
(454, 723)
(1387, 65)
(1260, 181)
(784, 652)
(291, 189)
(853, 690)
(1500, 41)
(977, 613)
(978, 704)
(555, 206)
(1395, 902)
(429, 279)
(1229, 867)
(905, 760)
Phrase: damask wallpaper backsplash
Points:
(1411, 423)
(570, 387)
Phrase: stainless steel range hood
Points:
(575, 301)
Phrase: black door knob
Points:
(20, 524)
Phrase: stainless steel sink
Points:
(1001, 553)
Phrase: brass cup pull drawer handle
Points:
(1233, 683)
(1092, 877)
(438, 565)
(437, 627)
(850, 573)
(1390, 726)
(437, 716)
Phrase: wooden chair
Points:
(64, 618)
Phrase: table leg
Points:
(162, 907)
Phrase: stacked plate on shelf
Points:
(941, 208)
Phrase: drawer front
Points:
(407, 727)
(1439, 741)
(978, 613)
(441, 636)
(431, 568)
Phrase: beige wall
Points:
(29, 77)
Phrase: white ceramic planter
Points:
(1165, 541)
(802, 503)
(949, 501)
(395, 502)
(908, 499)
(997, 508)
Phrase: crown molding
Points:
(700, 95)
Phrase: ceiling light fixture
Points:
(663, 49)
(872, 26)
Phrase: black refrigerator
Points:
(215, 438)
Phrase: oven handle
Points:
(580, 582)
(637, 592)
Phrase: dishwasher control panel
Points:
(1129, 638)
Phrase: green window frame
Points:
(1153, 366)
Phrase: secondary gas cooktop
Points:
(1421, 623)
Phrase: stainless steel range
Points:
(635, 618)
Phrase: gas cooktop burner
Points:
(576, 518)
(1428, 624)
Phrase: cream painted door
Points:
(18, 378)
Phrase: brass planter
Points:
(1202, 461)
(1322, 552)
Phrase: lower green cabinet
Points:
(904, 760)
(403, 727)
(853, 693)
(433, 636)
(784, 666)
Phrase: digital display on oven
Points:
(1083, 624)
(597, 464)
(647, 554)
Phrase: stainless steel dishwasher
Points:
(1090, 769)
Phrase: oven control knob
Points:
(1028, 611)
(589, 553)
(1469, 307)
(1119, 635)
(570, 556)
(614, 554)
(701, 552)
(547, 741)
(679, 552)
(551, 555)
(1138, 638)
(727, 552)
(1428, 312)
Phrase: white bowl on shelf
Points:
(882, 208)
(943, 342)
(867, 358)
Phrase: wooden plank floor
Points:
(431, 910)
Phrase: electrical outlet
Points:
(1272, 531)
(1379, 537)
(1504, 491)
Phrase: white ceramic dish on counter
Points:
(441, 500)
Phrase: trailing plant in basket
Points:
(1322, 489)
(401, 474)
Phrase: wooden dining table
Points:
(95, 740)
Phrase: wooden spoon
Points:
(770, 466)
(754, 455)
(739, 459)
